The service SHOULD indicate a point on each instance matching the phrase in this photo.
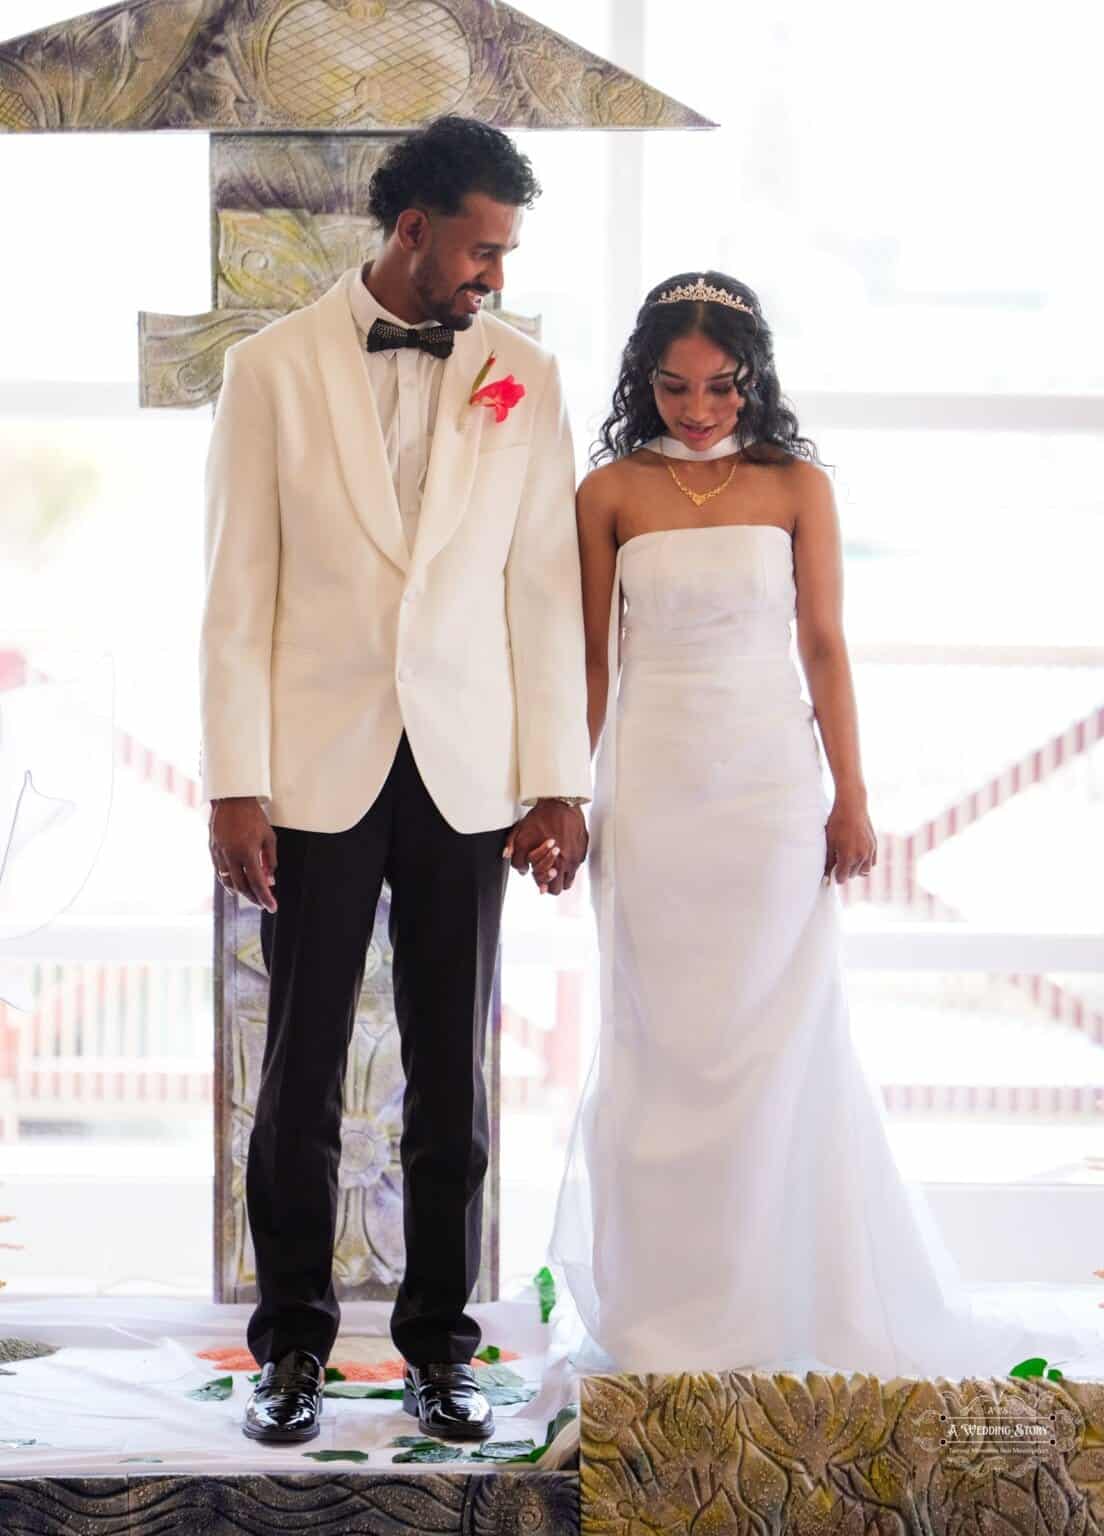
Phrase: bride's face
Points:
(697, 392)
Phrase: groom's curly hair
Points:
(766, 429)
(438, 165)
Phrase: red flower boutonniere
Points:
(501, 395)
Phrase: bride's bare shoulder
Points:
(604, 484)
(609, 478)
(805, 473)
(812, 504)
(810, 483)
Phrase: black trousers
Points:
(447, 894)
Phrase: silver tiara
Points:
(703, 292)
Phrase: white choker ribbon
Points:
(673, 449)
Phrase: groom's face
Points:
(460, 260)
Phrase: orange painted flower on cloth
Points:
(352, 1370)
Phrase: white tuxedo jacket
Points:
(323, 636)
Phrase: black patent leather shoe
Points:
(447, 1402)
(287, 1401)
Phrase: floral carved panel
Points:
(289, 216)
(368, 1252)
(747, 1451)
(332, 66)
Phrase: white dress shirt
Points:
(406, 383)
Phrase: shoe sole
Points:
(410, 1406)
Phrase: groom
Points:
(392, 668)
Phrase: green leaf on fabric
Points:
(405, 1440)
(1054, 1374)
(501, 1386)
(432, 1450)
(505, 1397)
(1027, 1368)
(546, 1291)
(361, 1389)
(337, 1455)
(491, 1355)
(501, 1375)
(505, 1450)
(565, 1417)
(214, 1391)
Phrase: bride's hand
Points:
(543, 861)
(852, 847)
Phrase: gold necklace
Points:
(700, 497)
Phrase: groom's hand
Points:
(553, 839)
(243, 849)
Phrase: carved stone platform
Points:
(729, 1454)
(479, 1504)
(744, 1452)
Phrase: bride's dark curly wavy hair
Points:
(766, 429)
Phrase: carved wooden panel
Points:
(287, 220)
(750, 1452)
(491, 1503)
(368, 1250)
(181, 356)
(326, 65)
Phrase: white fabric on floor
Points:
(113, 1400)
(1026, 1314)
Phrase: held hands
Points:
(852, 846)
(243, 849)
(553, 839)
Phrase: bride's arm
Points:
(818, 576)
(595, 513)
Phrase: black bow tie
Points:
(436, 339)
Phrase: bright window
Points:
(914, 216)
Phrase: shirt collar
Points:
(367, 309)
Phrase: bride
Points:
(731, 1197)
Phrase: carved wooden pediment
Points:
(330, 66)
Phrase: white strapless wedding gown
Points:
(731, 1198)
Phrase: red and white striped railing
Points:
(108, 1042)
